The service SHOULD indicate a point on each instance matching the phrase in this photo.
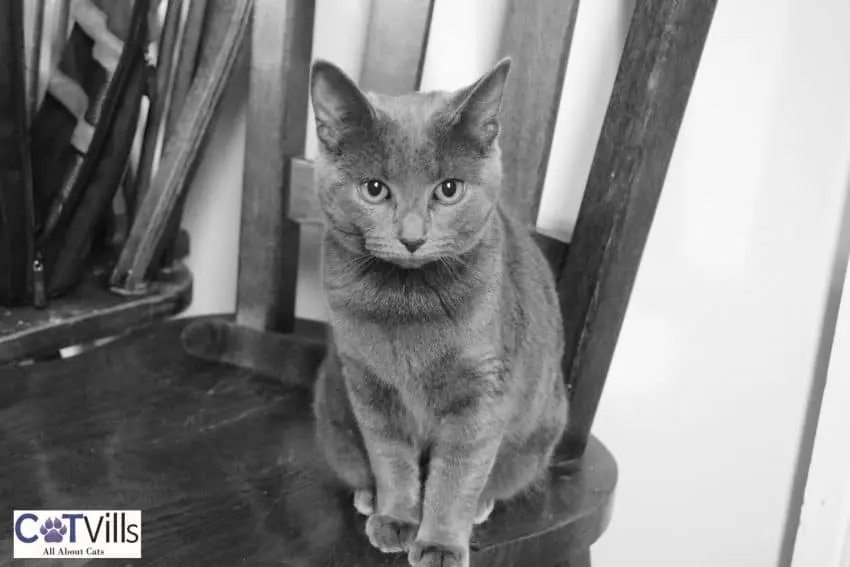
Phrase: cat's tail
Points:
(294, 360)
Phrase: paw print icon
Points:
(53, 530)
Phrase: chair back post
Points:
(276, 126)
(654, 80)
(537, 36)
(396, 38)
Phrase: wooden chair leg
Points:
(580, 559)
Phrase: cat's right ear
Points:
(340, 107)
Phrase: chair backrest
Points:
(596, 271)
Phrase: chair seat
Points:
(91, 312)
(222, 462)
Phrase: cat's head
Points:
(408, 179)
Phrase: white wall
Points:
(708, 390)
(823, 538)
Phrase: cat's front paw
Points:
(428, 554)
(389, 534)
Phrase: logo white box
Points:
(82, 534)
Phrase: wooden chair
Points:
(205, 424)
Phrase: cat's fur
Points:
(442, 389)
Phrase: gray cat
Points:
(442, 389)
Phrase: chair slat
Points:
(281, 51)
(537, 36)
(303, 201)
(395, 45)
(651, 91)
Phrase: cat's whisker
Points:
(448, 266)
(346, 232)
(358, 263)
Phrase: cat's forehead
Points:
(411, 150)
(412, 108)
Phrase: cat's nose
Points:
(412, 245)
(412, 231)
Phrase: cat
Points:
(442, 389)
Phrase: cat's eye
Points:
(374, 191)
(450, 191)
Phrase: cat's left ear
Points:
(340, 106)
(476, 108)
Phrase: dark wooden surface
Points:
(182, 150)
(281, 48)
(537, 36)
(395, 45)
(222, 462)
(651, 91)
(88, 313)
(17, 224)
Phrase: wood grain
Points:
(537, 36)
(395, 45)
(281, 48)
(650, 94)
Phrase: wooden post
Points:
(537, 36)
(651, 91)
(395, 45)
(281, 48)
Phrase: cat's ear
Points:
(340, 107)
(476, 107)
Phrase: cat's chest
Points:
(410, 361)
(411, 353)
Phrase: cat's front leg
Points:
(460, 465)
(393, 459)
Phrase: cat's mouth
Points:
(410, 262)
(410, 276)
